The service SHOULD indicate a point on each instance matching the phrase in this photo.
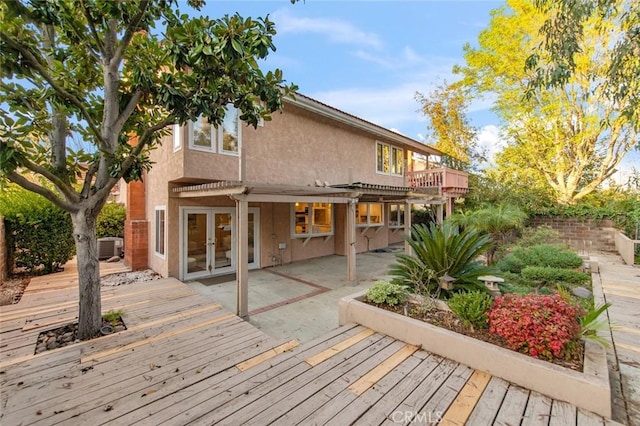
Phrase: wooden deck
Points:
(184, 360)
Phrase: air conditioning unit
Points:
(109, 247)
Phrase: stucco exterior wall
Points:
(298, 147)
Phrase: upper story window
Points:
(312, 219)
(177, 137)
(229, 134)
(389, 159)
(396, 215)
(225, 139)
(369, 214)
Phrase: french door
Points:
(209, 241)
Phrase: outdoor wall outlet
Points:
(282, 246)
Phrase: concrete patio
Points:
(300, 300)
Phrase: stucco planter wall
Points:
(589, 390)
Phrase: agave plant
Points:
(440, 251)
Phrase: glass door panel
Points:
(252, 245)
(197, 244)
(223, 229)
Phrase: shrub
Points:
(440, 250)
(386, 292)
(39, 234)
(110, 222)
(540, 255)
(472, 308)
(543, 234)
(547, 275)
(541, 326)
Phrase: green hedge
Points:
(539, 255)
(39, 235)
(110, 222)
(548, 275)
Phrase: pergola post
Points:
(242, 249)
(350, 227)
(440, 213)
(407, 227)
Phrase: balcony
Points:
(450, 182)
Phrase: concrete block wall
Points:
(582, 234)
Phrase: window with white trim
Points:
(389, 159)
(160, 230)
(225, 139)
(369, 214)
(177, 137)
(229, 132)
(396, 215)
(312, 219)
(202, 135)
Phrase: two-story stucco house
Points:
(314, 181)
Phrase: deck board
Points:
(177, 363)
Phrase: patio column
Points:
(242, 248)
(351, 240)
(407, 227)
(440, 213)
(449, 206)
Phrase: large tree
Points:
(446, 108)
(115, 75)
(566, 26)
(572, 135)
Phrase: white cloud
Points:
(389, 107)
(490, 141)
(335, 30)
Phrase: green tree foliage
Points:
(439, 251)
(570, 137)
(110, 222)
(106, 73)
(501, 222)
(445, 107)
(39, 234)
(567, 26)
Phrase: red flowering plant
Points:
(541, 326)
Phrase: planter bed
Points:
(589, 389)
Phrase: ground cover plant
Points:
(538, 316)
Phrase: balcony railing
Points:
(447, 180)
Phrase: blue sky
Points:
(369, 58)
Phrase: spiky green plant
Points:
(500, 221)
(591, 324)
(439, 250)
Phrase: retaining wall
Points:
(586, 235)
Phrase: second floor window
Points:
(389, 159)
(224, 139)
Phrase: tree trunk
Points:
(84, 233)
